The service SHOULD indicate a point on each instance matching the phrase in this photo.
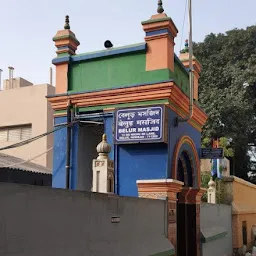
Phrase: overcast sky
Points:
(27, 26)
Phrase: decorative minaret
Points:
(66, 43)
(184, 58)
(103, 169)
(160, 33)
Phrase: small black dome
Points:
(108, 44)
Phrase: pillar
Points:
(165, 189)
(211, 192)
(193, 201)
(103, 169)
(160, 33)
(182, 234)
(66, 43)
(188, 221)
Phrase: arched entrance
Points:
(186, 168)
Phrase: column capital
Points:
(158, 189)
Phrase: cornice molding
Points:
(158, 91)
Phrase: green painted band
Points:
(155, 20)
(65, 37)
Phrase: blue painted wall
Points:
(108, 127)
(74, 157)
(140, 162)
(150, 161)
(132, 162)
(59, 156)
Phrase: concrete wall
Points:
(216, 227)
(241, 195)
(39, 221)
(28, 105)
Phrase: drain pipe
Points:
(191, 70)
(68, 145)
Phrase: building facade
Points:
(138, 96)
(26, 113)
(240, 194)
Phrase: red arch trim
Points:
(190, 142)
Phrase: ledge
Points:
(211, 234)
(239, 180)
(108, 89)
(141, 47)
(167, 90)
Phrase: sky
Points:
(28, 26)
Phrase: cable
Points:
(29, 160)
(183, 24)
(22, 143)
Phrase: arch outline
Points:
(184, 144)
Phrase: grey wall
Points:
(215, 219)
(89, 137)
(40, 221)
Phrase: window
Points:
(15, 133)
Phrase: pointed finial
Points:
(160, 8)
(185, 50)
(186, 45)
(66, 26)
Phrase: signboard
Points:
(139, 125)
(212, 153)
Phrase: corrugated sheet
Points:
(15, 163)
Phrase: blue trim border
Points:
(60, 60)
(159, 32)
(101, 54)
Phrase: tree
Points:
(227, 91)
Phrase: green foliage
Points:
(205, 178)
(219, 191)
(227, 92)
(223, 143)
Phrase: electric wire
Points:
(184, 18)
(28, 160)
(57, 128)
(25, 142)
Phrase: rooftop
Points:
(15, 163)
